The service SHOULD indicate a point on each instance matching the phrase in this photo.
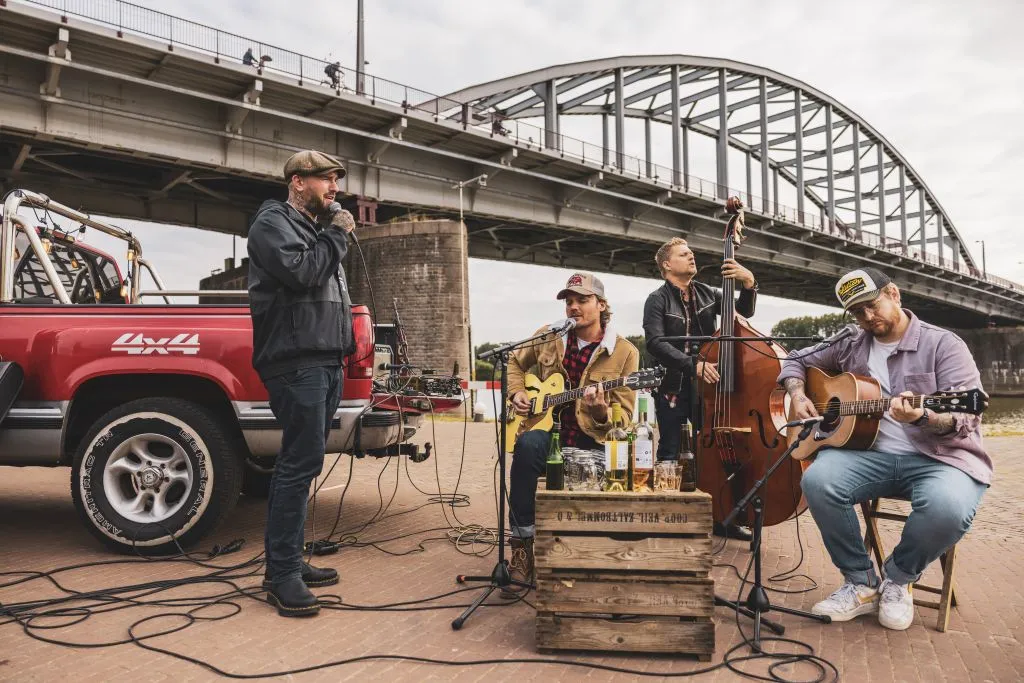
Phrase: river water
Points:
(1004, 416)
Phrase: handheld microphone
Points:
(333, 208)
(562, 326)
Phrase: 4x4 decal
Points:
(137, 344)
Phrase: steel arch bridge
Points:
(802, 156)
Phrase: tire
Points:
(155, 471)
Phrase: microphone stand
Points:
(693, 343)
(500, 575)
(757, 600)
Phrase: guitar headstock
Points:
(645, 379)
(973, 401)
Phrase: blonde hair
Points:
(665, 250)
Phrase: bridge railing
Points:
(225, 46)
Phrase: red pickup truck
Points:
(154, 406)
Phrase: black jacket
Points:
(298, 298)
(663, 317)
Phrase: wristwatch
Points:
(921, 421)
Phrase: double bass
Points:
(744, 411)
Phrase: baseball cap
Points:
(859, 286)
(582, 283)
(312, 162)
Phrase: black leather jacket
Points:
(298, 297)
(663, 317)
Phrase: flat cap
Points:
(312, 162)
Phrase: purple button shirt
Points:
(928, 359)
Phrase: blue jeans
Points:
(529, 461)
(304, 403)
(943, 500)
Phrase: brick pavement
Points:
(39, 530)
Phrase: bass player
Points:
(590, 353)
(937, 461)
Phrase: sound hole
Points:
(831, 415)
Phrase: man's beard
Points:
(315, 206)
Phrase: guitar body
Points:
(538, 418)
(855, 432)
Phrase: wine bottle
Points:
(616, 453)
(643, 449)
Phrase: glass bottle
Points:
(642, 449)
(555, 477)
(616, 453)
(687, 460)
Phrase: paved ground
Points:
(39, 531)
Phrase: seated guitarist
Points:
(591, 353)
(937, 461)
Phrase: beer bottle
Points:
(555, 477)
(687, 460)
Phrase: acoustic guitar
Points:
(853, 407)
(545, 395)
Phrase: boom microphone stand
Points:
(692, 344)
(757, 600)
(500, 576)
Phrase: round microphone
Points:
(333, 208)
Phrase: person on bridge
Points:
(937, 461)
(681, 307)
(302, 329)
(589, 352)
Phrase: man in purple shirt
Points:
(937, 461)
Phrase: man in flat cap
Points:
(302, 331)
(586, 355)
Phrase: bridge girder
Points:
(149, 143)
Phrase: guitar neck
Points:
(575, 394)
(876, 405)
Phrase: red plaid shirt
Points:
(575, 362)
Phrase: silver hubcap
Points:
(147, 478)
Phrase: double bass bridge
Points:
(727, 439)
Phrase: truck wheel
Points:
(155, 471)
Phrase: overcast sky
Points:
(942, 81)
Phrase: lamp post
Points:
(984, 270)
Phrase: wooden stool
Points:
(873, 542)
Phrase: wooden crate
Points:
(624, 572)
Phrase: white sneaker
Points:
(896, 605)
(849, 601)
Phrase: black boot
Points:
(313, 577)
(736, 531)
(293, 599)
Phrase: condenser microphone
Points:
(562, 326)
(847, 331)
(804, 422)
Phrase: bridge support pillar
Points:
(424, 265)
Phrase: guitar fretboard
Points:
(877, 405)
(575, 394)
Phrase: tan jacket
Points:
(615, 357)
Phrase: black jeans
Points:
(529, 461)
(670, 424)
(304, 403)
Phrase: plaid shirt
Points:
(575, 362)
